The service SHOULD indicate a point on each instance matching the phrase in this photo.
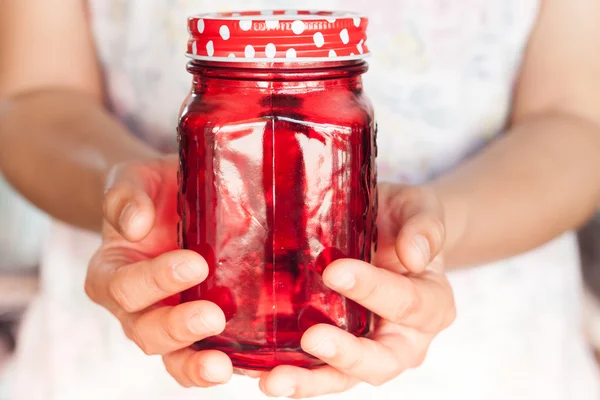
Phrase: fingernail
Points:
(422, 250)
(326, 348)
(208, 376)
(342, 280)
(127, 215)
(185, 271)
(202, 324)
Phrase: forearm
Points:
(536, 182)
(56, 148)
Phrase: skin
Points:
(83, 167)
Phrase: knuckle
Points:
(354, 360)
(163, 285)
(174, 330)
(350, 363)
(407, 306)
(172, 370)
(371, 289)
(136, 334)
(120, 296)
(112, 198)
(134, 331)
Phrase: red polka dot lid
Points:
(278, 36)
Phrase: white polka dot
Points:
(231, 55)
(352, 54)
(224, 31)
(344, 36)
(291, 12)
(249, 52)
(194, 48)
(356, 21)
(359, 46)
(272, 23)
(331, 20)
(246, 24)
(210, 48)
(291, 53)
(267, 12)
(332, 53)
(270, 50)
(298, 27)
(201, 25)
(319, 39)
(235, 14)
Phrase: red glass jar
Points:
(277, 177)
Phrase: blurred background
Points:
(22, 232)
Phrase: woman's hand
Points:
(138, 273)
(407, 289)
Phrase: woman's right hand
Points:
(139, 271)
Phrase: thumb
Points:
(416, 221)
(128, 204)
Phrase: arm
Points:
(56, 139)
(542, 177)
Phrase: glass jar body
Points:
(277, 180)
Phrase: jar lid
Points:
(278, 36)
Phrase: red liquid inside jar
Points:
(277, 181)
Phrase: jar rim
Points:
(290, 72)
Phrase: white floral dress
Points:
(441, 80)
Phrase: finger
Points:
(422, 301)
(375, 361)
(128, 205)
(300, 383)
(411, 221)
(166, 329)
(361, 358)
(420, 240)
(137, 286)
(202, 369)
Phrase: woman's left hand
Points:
(407, 290)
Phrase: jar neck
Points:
(278, 72)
